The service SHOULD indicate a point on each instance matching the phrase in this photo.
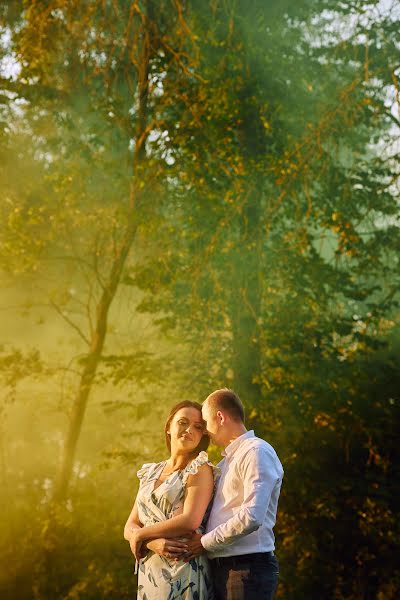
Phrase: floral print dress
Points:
(159, 577)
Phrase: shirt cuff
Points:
(206, 541)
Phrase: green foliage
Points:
(252, 148)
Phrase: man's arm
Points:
(260, 476)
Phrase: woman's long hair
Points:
(205, 440)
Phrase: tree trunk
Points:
(245, 314)
(91, 365)
(97, 342)
(247, 301)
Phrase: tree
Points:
(93, 103)
(235, 163)
(285, 274)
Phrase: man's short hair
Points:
(226, 399)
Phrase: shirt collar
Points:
(230, 449)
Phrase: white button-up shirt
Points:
(243, 514)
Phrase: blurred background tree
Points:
(205, 194)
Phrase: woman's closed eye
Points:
(197, 426)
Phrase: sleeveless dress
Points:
(158, 577)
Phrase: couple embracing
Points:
(200, 532)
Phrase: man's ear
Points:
(221, 417)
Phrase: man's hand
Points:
(194, 547)
(170, 548)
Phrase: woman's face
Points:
(186, 429)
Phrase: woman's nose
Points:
(188, 428)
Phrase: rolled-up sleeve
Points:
(259, 474)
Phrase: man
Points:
(239, 537)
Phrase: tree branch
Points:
(71, 323)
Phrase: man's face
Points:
(212, 424)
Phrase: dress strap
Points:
(193, 467)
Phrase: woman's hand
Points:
(169, 548)
(131, 530)
(136, 542)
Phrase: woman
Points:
(171, 503)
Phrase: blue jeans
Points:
(245, 577)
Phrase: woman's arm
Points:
(132, 523)
(169, 548)
(199, 489)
